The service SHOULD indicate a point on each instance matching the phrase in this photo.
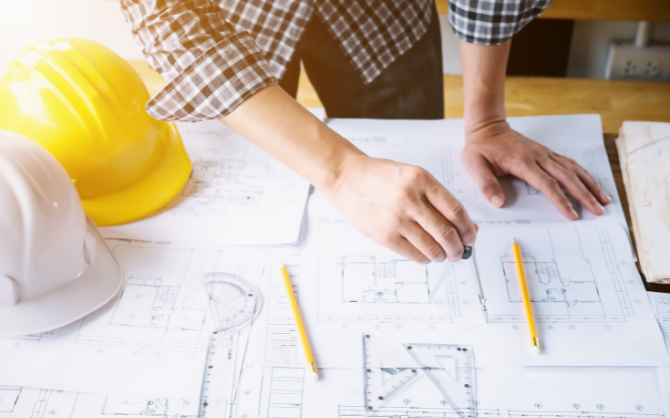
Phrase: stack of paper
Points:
(644, 153)
(391, 338)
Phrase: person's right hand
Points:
(402, 207)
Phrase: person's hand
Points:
(402, 207)
(495, 150)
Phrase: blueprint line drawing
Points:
(364, 280)
(549, 287)
(223, 184)
(359, 281)
(142, 407)
(54, 402)
(281, 336)
(578, 414)
(46, 403)
(236, 194)
(164, 308)
(286, 387)
(147, 302)
(9, 395)
(344, 411)
(660, 303)
(578, 281)
(31, 337)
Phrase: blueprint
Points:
(444, 380)
(436, 146)
(275, 337)
(664, 383)
(590, 305)
(203, 330)
(660, 303)
(236, 195)
(230, 384)
(153, 338)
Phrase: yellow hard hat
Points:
(85, 105)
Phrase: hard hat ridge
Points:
(85, 105)
(54, 266)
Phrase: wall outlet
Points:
(625, 61)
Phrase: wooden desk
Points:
(614, 101)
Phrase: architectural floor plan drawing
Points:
(359, 281)
(236, 195)
(571, 298)
(224, 179)
(364, 280)
(583, 281)
(155, 335)
(572, 275)
(162, 305)
(46, 403)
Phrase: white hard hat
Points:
(55, 268)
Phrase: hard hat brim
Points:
(96, 286)
(148, 194)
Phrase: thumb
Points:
(481, 172)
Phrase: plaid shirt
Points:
(216, 54)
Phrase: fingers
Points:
(449, 213)
(539, 179)
(402, 246)
(480, 171)
(585, 178)
(573, 184)
(441, 233)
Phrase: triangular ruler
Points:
(387, 373)
(450, 368)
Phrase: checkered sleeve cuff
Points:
(214, 84)
(492, 22)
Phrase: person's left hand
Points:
(495, 150)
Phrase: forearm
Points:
(484, 69)
(275, 122)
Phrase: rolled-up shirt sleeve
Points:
(492, 22)
(210, 68)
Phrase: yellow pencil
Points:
(311, 365)
(526, 299)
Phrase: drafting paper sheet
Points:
(530, 392)
(286, 391)
(660, 303)
(228, 377)
(237, 194)
(436, 146)
(664, 383)
(149, 341)
(591, 306)
(388, 384)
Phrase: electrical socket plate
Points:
(625, 61)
